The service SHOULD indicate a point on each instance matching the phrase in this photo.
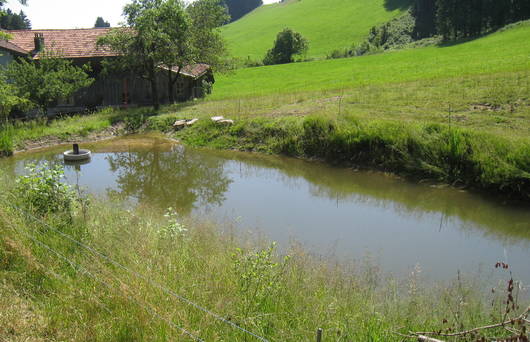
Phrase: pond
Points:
(348, 214)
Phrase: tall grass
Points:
(281, 296)
(7, 145)
(423, 150)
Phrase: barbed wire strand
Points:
(141, 276)
(78, 267)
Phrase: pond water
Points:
(330, 210)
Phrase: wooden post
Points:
(319, 335)
(76, 148)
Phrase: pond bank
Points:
(456, 156)
(439, 152)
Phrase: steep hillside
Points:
(327, 24)
(507, 50)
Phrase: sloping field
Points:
(505, 51)
(327, 24)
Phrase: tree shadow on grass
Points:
(391, 5)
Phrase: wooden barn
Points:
(79, 45)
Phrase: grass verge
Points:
(64, 292)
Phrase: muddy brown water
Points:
(358, 215)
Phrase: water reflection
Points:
(179, 179)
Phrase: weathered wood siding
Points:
(126, 89)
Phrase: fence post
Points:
(319, 335)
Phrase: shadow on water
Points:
(506, 220)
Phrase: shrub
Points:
(394, 34)
(42, 190)
(288, 43)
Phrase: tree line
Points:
(455, 19)
(14, 21)
(238, 8)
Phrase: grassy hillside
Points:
(327, 24)
(508, 50)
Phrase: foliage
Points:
(174, 227)
(162, 33)
(287, 44)
(13, 21)
(395, 34)
(258, 276)
(42, 190)
(148, 41)
(9, 100)
(238, 8)
(208, 44)
(6, 140)
(48, 79)
(100, 22)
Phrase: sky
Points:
(59, 14)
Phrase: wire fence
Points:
(131, 272)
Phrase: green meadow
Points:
(508, 50)
(320, 22)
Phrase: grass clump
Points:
(76, 295)
(7, 145)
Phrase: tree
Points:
(9, 99)
(238, 8)
(47, 80)
(13, 21)
(4, 35)
(288, 43)
(100, 22)
(164, 34)
(424, 13)
(148, 41)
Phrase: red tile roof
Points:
(79, 43)
(12, 47)
(70, 43)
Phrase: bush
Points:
(42, 190)
(394, 34)
(288, 43)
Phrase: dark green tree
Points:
(238, 8)
(47, 80)
(424, 13)
(288, 43)
(13, 21)
(100, 23)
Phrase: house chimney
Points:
(39, 42)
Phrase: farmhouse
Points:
(79, 45)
